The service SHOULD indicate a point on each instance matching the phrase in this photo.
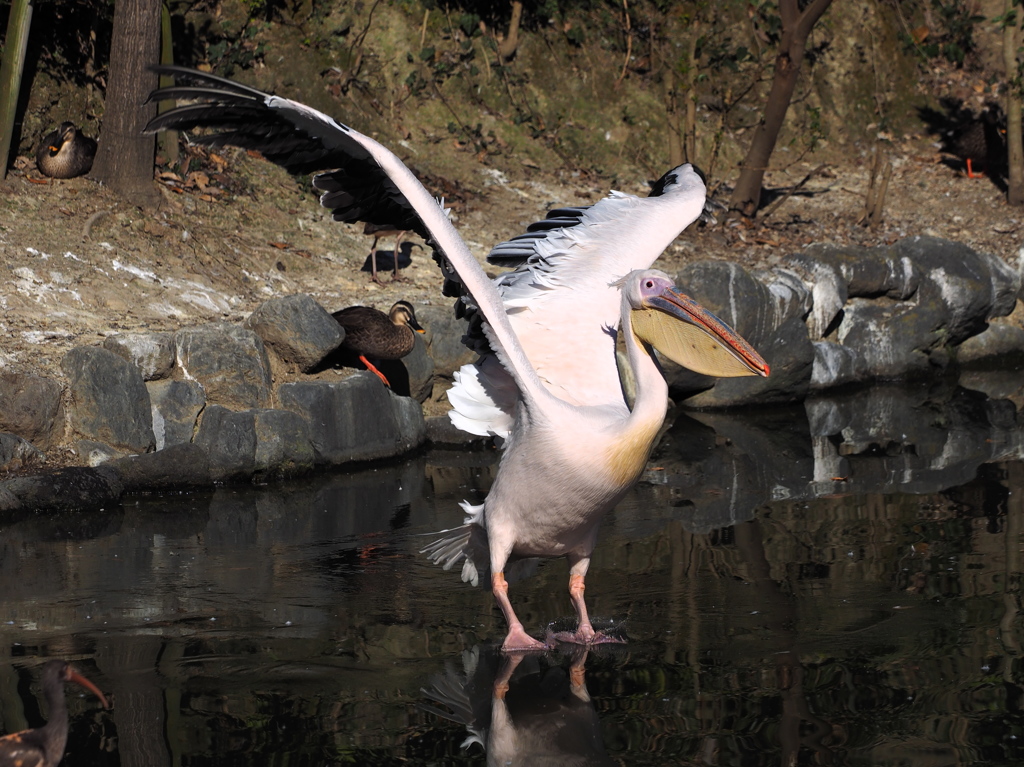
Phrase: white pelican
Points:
(548, 382)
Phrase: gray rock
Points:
(828, 291)
(254, 444)
(178, 467)
(895, 339)
(283, 445)
(441, 431)
(109, 402)
(8, 500)
(867, 272)
(998, 343)
(357, 419)
(72, 489)
(973, 286)
(152, 353)
(789, 294)
(444, 338)
(421, 370)
(836, 365)
(176, 408)
(229, 362)
(30, 406)
(95, 453)
(229, 439)
(17, 453)
(297, 329)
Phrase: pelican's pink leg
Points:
(585, 633)
(517, 639)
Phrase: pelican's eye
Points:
(649, 284)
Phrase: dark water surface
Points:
(835, 584)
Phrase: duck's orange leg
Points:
(372, 369)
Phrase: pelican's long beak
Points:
(688, 334)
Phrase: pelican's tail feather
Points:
(462, 697)
(483, 398)
(461, 545)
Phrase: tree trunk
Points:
(124, 158)
(1014, 142)
(796, 28)
(690, 120)
(507, 47)
(675, 144)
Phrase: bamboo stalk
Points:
(167, 141)
(1014, 143)
(10, 74)
(629, 42)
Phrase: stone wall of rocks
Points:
(260, 401)
(833, 316)
(217, 403)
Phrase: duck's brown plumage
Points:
(65, 152)
(371, 333)
(44, 746)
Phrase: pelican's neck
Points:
(651, 392)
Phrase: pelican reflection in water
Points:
(520, 710)
(546, 381)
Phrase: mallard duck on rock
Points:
(66, 152)
(374, 335)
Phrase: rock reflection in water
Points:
(716, 469)
(783, 602)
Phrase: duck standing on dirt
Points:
(374, 335)
(66, 152)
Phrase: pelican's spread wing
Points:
(563, 299)
(292, 135)
(369, 182)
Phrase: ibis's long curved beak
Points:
(74, 676)
(688, 334)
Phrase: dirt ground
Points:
(81, 264)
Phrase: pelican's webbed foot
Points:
(519, 641)
(586, 638)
